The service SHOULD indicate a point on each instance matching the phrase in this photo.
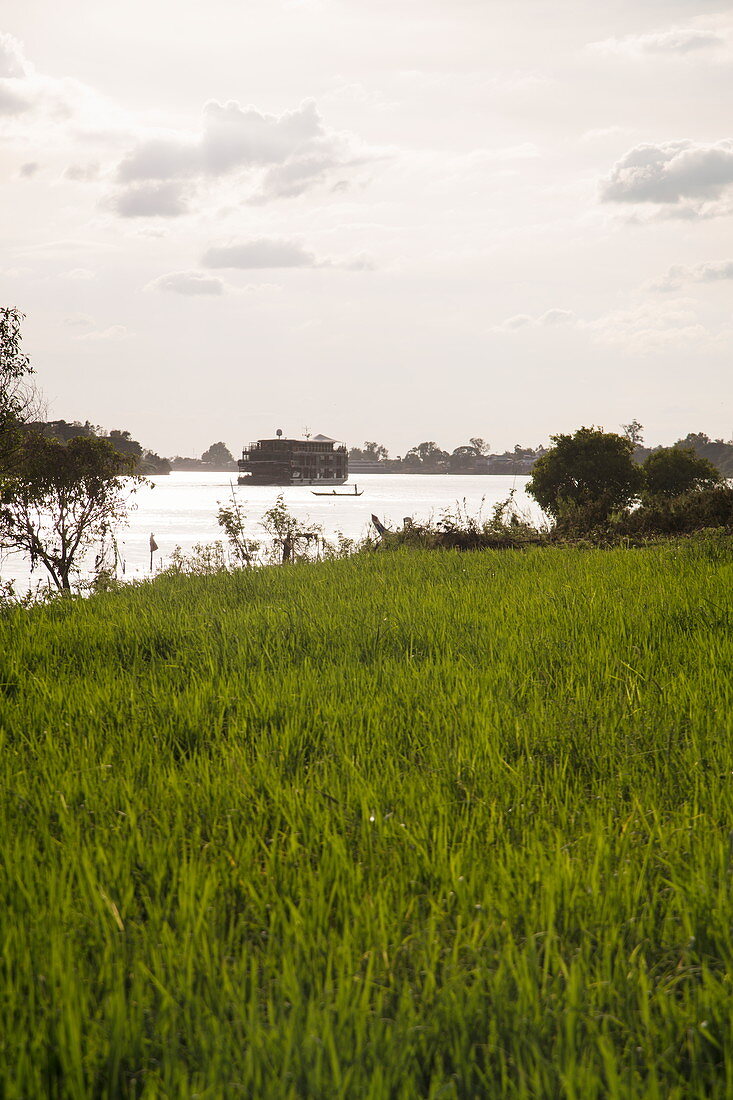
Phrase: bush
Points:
(693, 511)
(586, 477)
(673, 471)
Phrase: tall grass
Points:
(402, 825)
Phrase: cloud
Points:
(146, 200)
(644, 328)
(261, 253)
(549, 319)
(280, 156)
(82, 173)
(712, 271)
(78, 274)
(12, 60)
(29, 169)
(114, 332)
(677, 172)
(677, 41)
(10, 102)
(188, 282)
(649, 327)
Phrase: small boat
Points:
(356, 493)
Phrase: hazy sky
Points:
(403, 220)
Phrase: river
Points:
(180, 510)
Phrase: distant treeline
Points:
(146, 461)
(476, 456)
(216, 457)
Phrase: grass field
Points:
(405, 825)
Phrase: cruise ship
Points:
(317, 460)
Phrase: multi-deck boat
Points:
(317, 460)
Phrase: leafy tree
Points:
(426, 454)
(482, 447)
(672, 471)
(16, 393)
(375, 451)
(633, 432)
(370, 452)
(586, 476)
(218, 454)
(285, 530)
(124, 444)
(232, 518)
(61, 500)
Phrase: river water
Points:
(180, 510)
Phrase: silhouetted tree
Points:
(426, 454)
(218, 454)
(633, 431)
(482, 447)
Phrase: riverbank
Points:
(403, 824)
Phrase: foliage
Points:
(397, 826)
(232, 518)
(62, 500)
(634, 432)
(672, 471)
(16, 394)
(426, 454)
(218, 454)
(292, 538)
(697, 510)
(585, 477)
(370, 452)
(458, 529)
(480, 445)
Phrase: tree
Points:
(370, 452)
(61, 500)
(482, 447)
(633, 432)
(124, 444)
(586, 476)
(16, 393)
(218, 454)
(375, 451)
(672, 471)
(285, 530)
(426, 454)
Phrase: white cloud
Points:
(10, 102)
(29, 169)
(146, 200)
(12, 61)
(649, 327)
(280, 156)
(676, 172)
(78, 274)
(189, 283)
(712, 271)
(260, 253)
(114, 332)
(82, 173)
(674, 41)
(644, 328)
(549, 319)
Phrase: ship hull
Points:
(264, 479)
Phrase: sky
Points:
(393, 221)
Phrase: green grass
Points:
(406, 825)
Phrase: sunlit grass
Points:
(405, 825)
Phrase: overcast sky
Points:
(401, 221)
